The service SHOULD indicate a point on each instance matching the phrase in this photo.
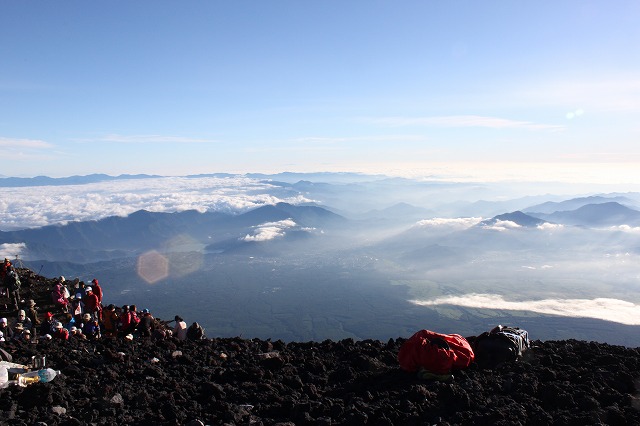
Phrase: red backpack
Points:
(435, 352)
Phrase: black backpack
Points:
(502, 344)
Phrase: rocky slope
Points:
(237, 381)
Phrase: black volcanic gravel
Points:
(236, 381)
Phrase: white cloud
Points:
(150, 139)
(11, 250)
(24, 143)
(546, 226)
(39, 206)
(626, 228)
(454, 223)
(615, 310)
(467, 121)
(502, 225)
(270, 230)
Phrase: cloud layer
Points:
(615, 310)
(39, 206)
(270, 230)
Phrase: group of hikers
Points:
(432, 355)
(78, 312)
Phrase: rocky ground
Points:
(237, 381)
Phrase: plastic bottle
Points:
(44, 375)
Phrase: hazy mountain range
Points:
(343, 257)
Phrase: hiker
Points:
(60, 332)
(147, 324)
(90, 327)
(91, 303)
(3, 273)
(47, 326)
(23, 319)
(110, 320)
(12, 284)
(125, 321)
(18, 332)
(134, 319)
(32, 313)
(5, 329)
(435, 355)
(77, 305)
(58, 297)
(97, 289)
(180, 330)
(195, 332)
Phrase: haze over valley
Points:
(317, 256)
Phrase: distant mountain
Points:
(144, 230)
(13, 182)
(575, 203)
(603, 214)
(400, 212)
(516, 217)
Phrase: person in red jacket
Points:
(97, 289)
(60, 332)
(91, 303)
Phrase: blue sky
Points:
(463, 89)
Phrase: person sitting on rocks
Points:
(180, 329)
(195, 332)
(58, 297)
(90, 327)
(60, 332)
(23, 319)
(32, 313)
(18, 332)
(6, 330)
(76, 333)
(146, 324)
(48, 325)
(110, 320)
(125, 321)
(91, 303)
(134, 318)
(77, 306)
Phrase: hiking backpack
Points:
(502, 344)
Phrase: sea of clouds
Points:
(29, 207)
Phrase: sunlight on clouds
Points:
(615, 310)
(626, 228)
(454, 223)
(546, 226)
(270, 230)
(502, 225)
(39, 206)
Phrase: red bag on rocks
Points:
(435, 352)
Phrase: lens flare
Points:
(153, 267)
